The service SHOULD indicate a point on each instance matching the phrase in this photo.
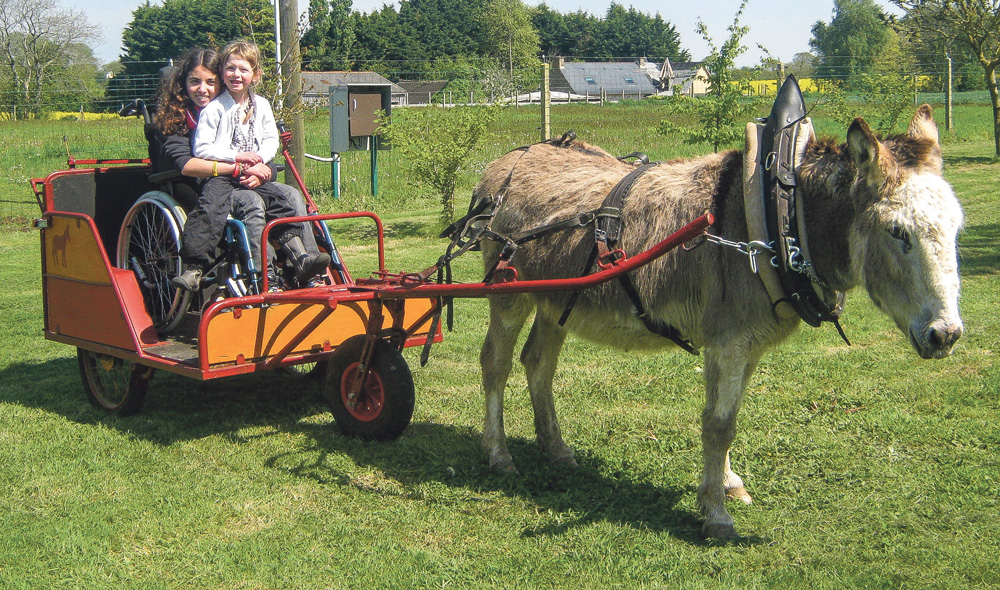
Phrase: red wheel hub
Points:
(371, 398)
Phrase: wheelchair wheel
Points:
(149, 245)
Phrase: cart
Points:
(350, 332)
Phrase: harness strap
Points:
(607, 233)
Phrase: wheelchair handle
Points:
(134, 109)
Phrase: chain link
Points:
(751, 249)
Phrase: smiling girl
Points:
(237, 131)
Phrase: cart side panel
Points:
(103, 194)
(253, 335)
(84, 297)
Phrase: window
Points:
(629, 81)
(590, 80)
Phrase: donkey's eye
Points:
(903, 236)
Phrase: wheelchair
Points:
(150, 240)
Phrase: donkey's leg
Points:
(507, 317)
(539, 357)
(726, 372)
(732, 482)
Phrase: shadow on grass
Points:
(979, 249)
(428, 454)
(959, 161)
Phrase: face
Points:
(202, 86)
(911, 262)
(238, 75)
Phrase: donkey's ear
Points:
(923, 126)
(862, 143)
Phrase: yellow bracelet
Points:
(215, 168)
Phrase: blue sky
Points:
(782, 26)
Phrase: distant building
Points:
(684, 77)
(316, 86)
(634, 79)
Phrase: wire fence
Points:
(45, 148)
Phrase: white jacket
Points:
(213, 138)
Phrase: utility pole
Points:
(291, 67)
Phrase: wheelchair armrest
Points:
(162, 177)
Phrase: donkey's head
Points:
(903, 242)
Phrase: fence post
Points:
(546, 100)
(948, 97)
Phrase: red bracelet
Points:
(237, 170)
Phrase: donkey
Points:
(878, 214)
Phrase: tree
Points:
(632, 33)
(37, 38)
(852, 41)
(971, 23)
(722, 115)
(509, 35)
(801, 65)
(329, 35)
(158, 33)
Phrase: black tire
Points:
(385, 404)
(112, 384)
(149, 245)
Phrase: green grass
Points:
(869, 467)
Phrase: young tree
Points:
(722, 115)
(37, 37)
(972, 23)
(436, 144)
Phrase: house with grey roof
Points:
(635, 79)
(595, 78)
(316, 85)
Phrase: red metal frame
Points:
(386, 291)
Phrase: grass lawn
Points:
(869, 467)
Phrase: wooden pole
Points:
(291, 67)
(546, 99)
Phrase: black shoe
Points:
(306, 264)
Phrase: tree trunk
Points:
(991, 85)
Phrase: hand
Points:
(261, 171)
(249, 181)
(250, 158)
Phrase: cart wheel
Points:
(149, 245)
(113, 384)
(385, 404)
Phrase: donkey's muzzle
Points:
(937, 341)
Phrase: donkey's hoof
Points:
(565, 460)
(740, 494)
(502, 466)
(722, 532)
